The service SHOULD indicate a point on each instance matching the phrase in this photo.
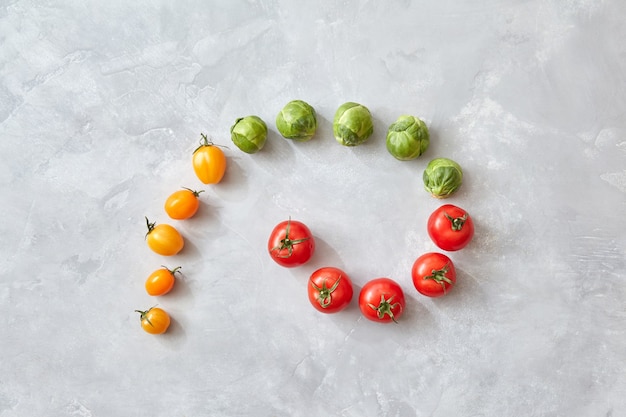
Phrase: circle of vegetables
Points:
(407, 138)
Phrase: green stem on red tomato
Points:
(439, 276)
(325, 293)
(384, 307)
(456, 223)
(287, 243)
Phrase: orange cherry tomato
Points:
(154, 320)
(164, 239)
(209, 161)
(182, 204)
(161, 281)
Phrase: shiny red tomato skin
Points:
(433, 274)
(449, 234)
(382, 300)
(291, 244)
(330, 290)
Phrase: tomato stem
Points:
(287, 243)
(195, 193)
(150, 226)
(439, 276)
(144, 315)
(385, 307)
(205, 141)
(456, 223)
(172, 271)
(324, 296)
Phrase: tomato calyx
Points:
(172, 271)
(456, 223)
(384, 307)
(324, 296)
(439, 276)
(194, 192)
(287, 243)
(144, 315)
(151, 226)
(205, 141)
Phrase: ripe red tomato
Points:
(433, 274)
(182, 204)
(291, 243)
(382, 300)
(450, 227)
(330, 289)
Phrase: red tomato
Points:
(291, 243)
(330, 290)
(382, 300)
(433, 274)
(450, 227)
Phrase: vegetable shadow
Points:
(204, 220)
(414, 312)
(234, 185)
(415, 319)
(181, 292)
(323, 134)
(175, 336)
(325, 255)
(277, 156)
(347, 320)
(189, 251)
(466, 291)
(374, 150)
(379, 134)
(435, 146)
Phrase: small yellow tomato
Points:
(164, 239)
(154, 320)
(161, 281)
(209, 161)
(182, 204)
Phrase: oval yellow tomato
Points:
(164, 239)
(182, 204)
(154, 320)
(161, 281)
(209, 162)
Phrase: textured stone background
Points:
(102, 104)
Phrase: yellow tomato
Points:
(161, 281)
(164, 239)
(154, 320)
(209, 162)
(182, 204)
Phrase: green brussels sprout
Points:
(407, 138)
(297, 121)
(249, 133)
(442, 177)
(352, 124)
